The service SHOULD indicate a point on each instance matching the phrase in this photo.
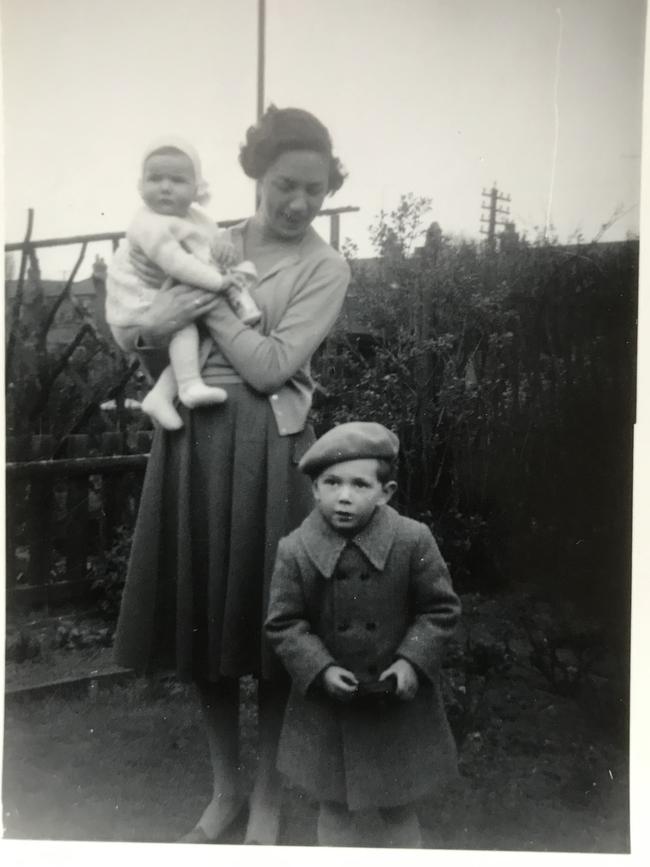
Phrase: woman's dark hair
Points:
(287, 129)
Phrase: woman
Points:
(219, 494)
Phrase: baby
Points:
(189, 248)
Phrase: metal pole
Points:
(261, 35)
(261, 38)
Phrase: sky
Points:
(441, 98)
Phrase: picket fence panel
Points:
(63, 513)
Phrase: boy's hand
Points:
(407, 679)
(339, 682)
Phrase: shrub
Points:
(510, 379)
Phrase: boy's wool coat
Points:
(393, 598)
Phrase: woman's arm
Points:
(268, 362)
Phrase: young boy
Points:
(361, 606)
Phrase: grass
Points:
(131, 765)
(539, 771)
(111, 769)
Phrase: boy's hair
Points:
(386, 471)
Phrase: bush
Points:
(109, 574)
(510, 379)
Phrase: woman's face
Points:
(292, 191)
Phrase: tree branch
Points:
(58, 368)
(90, 407)
(49, 319)
(18, 298)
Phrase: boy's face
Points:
(348, 493)
(168, 184)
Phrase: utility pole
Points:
(261, 52)
(261, 47)
(492, 220)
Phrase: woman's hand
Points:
(340, 683)
(174, 307)
(407, 679)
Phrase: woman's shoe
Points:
(196, 835)
(199, 835)
(263, 826)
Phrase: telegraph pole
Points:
(261, 55)
(492, 220)
(261, 47)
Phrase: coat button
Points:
(371, 627)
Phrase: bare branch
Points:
(49, 319)
(63, 359)
(18, 298)
(90, 407)
(57, 369)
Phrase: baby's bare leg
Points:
(159, 403)
(184, 358)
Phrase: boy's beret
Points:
(347, 442)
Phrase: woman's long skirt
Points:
(218, 496)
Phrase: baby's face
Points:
(168, 184)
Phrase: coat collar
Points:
(324, 545)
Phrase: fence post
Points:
(143, 441)
(335, 230)
(16, 498)
(39, 518)
(112, 490)
(77, 523)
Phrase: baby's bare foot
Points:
(200, 394)
(162, 411)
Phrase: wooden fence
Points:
(62, 515)
(333, 214)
